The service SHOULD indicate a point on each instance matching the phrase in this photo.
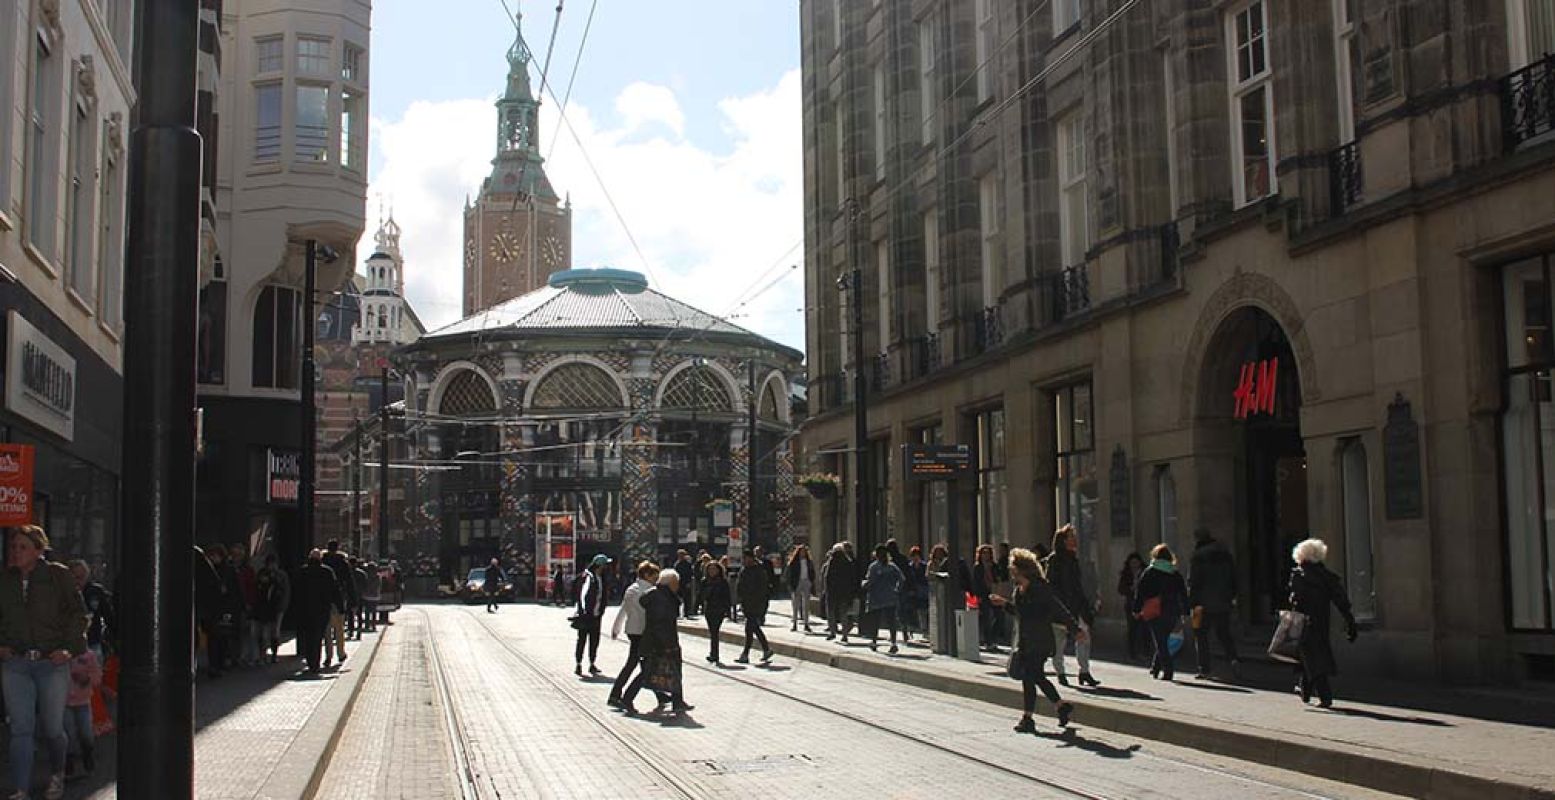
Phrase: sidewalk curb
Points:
(301, 768)
(1384, 771)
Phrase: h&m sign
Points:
(1256, 387)
(40, 382)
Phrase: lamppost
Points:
(383, 458)
(850, 284)
(313, 251)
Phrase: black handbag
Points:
(1022, 665)
(576, 621)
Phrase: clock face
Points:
(504, 247)
(552, 251)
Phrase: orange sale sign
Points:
(15, 484)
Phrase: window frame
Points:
(8, 37)
(983, 48)
(1355, 512)
(1066, 14)
(353, 63)
(883, 292)
(260, 151)
(110, 243)
(312, 63)
(988, 237)
(926, 93)
(325, 137)
(1258, 80)
(881, 118)
(1538, 369)
(44, 103)
(992, 465)
(1344, 68)
(1069, 451)
(268, 61)
(352, 139)
(81, 203)
(1169, 89)
(931, 271)
(1518, 32)
(279, 367)
(1073, 188)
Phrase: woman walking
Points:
(1313, 588)
(1063, 574)
(840, 591)
(632, 618)
(716, 601)
(1160, 602)
(1036, 612)
(800, 575)
(755, 594)
(1128, 581)
(589, 611)
(881, 589)
(660, 645)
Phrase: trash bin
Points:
(967, 644)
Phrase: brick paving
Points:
(528, 734)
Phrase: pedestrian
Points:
(730, 574)
(335, 634)
(207, 605)
(716, 602)
(755, 593)
(699, 582)
(915, 594)
(318, 599)
(1037, 611)
(661, 670)
(275, 594)
(372, 595)
(102, 628)
(882, 587)
(1211, 596)
(42, 627)
(248, 597)
(840, 589)
(687, 573)
(1064, 576)
(632, 618)
(588, 613)
(1160, 601)
(855, 569)
(1313, 588)
(800, 577)
(985, 579)
(229, 612)
(358, 588)
(493, 585)
(559, 587)
(1128, 580)
(86, 676)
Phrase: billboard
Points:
(16, 484)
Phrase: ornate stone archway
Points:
(1245, 289)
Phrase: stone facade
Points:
(1132, 234)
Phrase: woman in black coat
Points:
(1064, 574)
(1313, 588)
(660, 645)
(840, 583)
(1036, 610)
(1161, 583)
(716, 601)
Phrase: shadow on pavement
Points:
(1070, 738)
(1381, 717)
(1117, 694)
(772, 668)
(1214, 687)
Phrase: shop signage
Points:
(1401, 462)
(736, 544)
(15, 484)
(936, 462)
(723, 514)
(283, 475)
(41, 380)
(1255, 388)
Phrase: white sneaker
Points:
(56, 788)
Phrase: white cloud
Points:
(708, 222)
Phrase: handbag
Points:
(1150, 609)
(1286, 644)
(576, 621)
(1021, 666)
(1198, 617)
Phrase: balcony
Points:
(989, 332)
(925, 354)
(1344, 177)
(880, 372)
(1528, 102)
(1069, 291)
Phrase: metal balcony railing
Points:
(880, 372)
(1069, 292)
(1528, 102)
(925, 354)
(989, 331)
(1344, 177)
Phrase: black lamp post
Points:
(313, 251)
(850, 284)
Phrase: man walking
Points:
(755, 592)
(1211, 595)
(837, 578)
(493, 585)
(318, 598)
(335, 634)
(589, 611)
(687, 573)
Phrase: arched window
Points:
(576, 386)
(768, 409)
(467, 394)
(277, 321)
(696, 389)
(1166, 506)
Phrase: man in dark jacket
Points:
(687, 574)
(755, 593)
(316, 597)
(335, 635)
(840, 585)
(1211, 595)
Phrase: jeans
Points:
(35, 698)
(335, 637)
(800, 601)
(78, 729)
(370, 612)
(1220, 623)
(1082, 651)
(633, 658)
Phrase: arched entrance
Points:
(1254, 482)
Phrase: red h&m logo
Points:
(1255, 389)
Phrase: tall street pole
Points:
(309, 411)
(356, 490)
(860, 419)
(383, 458)
(161, 297)
(750, 454)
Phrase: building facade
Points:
(517, 231)
(67, 94)
(1277, 270)
(290, 116)
(601, 416)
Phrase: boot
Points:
(1086, 679)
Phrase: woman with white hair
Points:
(1313, 588)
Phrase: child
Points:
(86, 674)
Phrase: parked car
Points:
(474, 588)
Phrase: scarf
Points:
(1164, 566)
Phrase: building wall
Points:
(1388, 294)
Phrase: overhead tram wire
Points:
(572, 78)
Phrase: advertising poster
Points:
(15, 484)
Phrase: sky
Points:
(688, 111)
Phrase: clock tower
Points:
(517, 231)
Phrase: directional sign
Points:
(936, 462)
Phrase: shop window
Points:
(1528, 443)
(1355, 483)
(1252, 102)
(277, 314)
(1076, 491)
(991, 481)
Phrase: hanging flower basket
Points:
(820, 485)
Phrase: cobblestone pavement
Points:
(529, 728)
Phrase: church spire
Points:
(517, 166)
